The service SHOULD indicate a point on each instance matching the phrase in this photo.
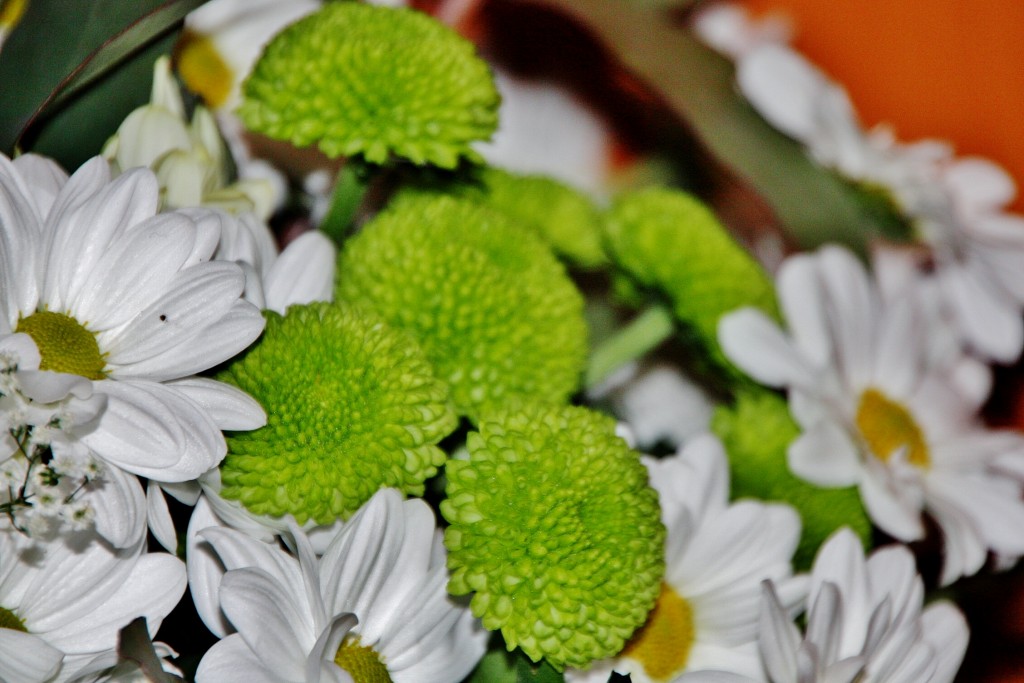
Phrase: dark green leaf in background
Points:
(89, 60)
(698, 85)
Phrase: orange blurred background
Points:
(944, 69)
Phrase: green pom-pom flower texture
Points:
(487, 300)
(668, 241)
(352, 407)
(373, 81)
(555, 529)
(563, 217)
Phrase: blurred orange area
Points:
(943, 69)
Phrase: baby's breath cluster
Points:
(40, 492)
(352, 407)
(373, 81)
(555, 530)
(487, 300)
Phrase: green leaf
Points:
(698, 85)
(527, 672)
(497, 666)
(756, 431)
(94, 37)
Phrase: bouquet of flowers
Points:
(334, 350)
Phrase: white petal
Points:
(83, 233)
(800, 297)
(136, 271)
(222, 340)
(980, 184)
(22, 347)
(824, 455)
(321, 656)
(945, 629)
(120, 507)
(787, 90)
(229, 407)
(267, 618)
(990, 321)
(154, 431)
(779, 637)
(303, 273)
(44, 179)
(205, 570)
(154, 587)
(890, 508)
(159, 517)
(25, 658)
(854, 309)
(193, 300)
(759, 348)
(231, 661)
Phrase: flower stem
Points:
(349, 190)
(641, 335)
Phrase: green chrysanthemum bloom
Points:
(555, 529)
(373, 81)
(756, 431)
(563, 217)
(668, 241)
(352, 407)
(489, 303)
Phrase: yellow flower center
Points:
(203, 69)
(64, 344)
(10, 12)
(887, 426)
(9, 619)
(362, 663)
(662, 645)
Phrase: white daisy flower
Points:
(375, 602)
(876, 413)
(716, 556)
(189, 159)
(128, 301)
(62, 603)
(865, 624)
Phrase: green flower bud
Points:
(563, 217)
(489, 303)
(373, 81)
(556, 531)
(669, 242)
(352, 407)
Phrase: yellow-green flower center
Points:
(362, 663)
(64, 344)
(203, 69)
(662, 645)
(9, 619)
(887, 426)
